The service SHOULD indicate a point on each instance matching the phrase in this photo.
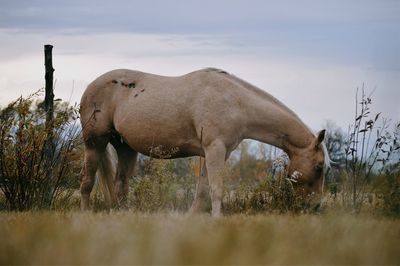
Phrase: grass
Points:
(138, 238)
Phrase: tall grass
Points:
(30, 180)
(137, 238)
(160, 188)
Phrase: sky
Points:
(311, 55)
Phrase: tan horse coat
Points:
(206, 113)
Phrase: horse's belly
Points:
(161, 147)
(159, 135)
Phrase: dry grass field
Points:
(134, 238)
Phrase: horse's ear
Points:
(320, 138)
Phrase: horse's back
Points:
(150, 110)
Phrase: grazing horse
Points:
(204, 113)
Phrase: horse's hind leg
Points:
(201, 193)
(94, 149)
(126, 166)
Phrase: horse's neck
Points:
(273, 123)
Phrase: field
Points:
(132, 238)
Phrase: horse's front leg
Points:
(215, 159)
(201, 194)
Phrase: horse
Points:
(206, 113)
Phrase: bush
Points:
(388, 191)
(38, 162)
(160, 188)
(273, 194)
(369, 149)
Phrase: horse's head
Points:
(307, 171)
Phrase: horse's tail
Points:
(106, 172)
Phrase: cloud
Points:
(342, 32)
(177, 16)
(315, 89)
(310, 54)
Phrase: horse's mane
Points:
(247, 85)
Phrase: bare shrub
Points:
(387, 185)
(160, 188)
(275, 193)
(369, 149)
(29, 178)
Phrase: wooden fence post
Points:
(49, 108)
(49, 96)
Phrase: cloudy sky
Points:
(312, 55)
